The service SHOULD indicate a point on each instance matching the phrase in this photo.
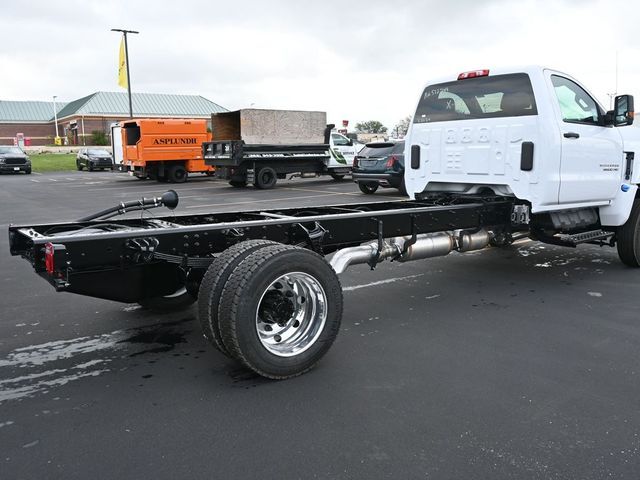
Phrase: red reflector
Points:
(473, 74)
(392, 159)
(49, 250)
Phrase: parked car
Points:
(380, 164)
(14, 160)
(92, 158)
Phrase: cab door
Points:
(342, 150)
(592, 154)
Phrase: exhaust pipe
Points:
(427, 245)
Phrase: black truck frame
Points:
(266, 295)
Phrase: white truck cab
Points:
(532, 133)
(341, 151)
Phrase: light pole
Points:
(126, 59)
(55, 114)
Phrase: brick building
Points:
(79, 119)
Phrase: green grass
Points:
(52, 162)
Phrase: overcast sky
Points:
(357, 60)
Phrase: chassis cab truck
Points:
(489, 155)
(261, 146)
(164, 149)
(536, 136)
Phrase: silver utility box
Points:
(272, 127)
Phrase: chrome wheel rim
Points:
(291, 314)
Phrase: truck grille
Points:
(15, 161)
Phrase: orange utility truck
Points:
(164, 149)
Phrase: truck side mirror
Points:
(623, 110)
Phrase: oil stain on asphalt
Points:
(37, 369)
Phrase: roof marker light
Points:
(473, 74)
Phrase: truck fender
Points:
(618, 211)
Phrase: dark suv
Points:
(380, 164)
(13, 159)
(92, 158)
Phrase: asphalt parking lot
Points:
(506, 363)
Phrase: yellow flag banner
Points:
(122, 67)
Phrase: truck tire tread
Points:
(177, 174)
(213, 283)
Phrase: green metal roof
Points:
(111, 104)
(18, 111)
(144, 104)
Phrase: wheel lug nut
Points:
(268, 328)
(277, 338)
(296, 324)
(289, 294)
(278, 286)
(302, 299)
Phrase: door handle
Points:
(571, 135)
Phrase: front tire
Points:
(628, 238)
(281, 311)
(368, 188)
(338, 177)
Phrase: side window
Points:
(576, 105)
(339, 139)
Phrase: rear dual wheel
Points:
(213, 283)
(279, 309)
(177, 174)
(265, 178)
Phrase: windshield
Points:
(14, 150)
(93, 151)
(483, 97)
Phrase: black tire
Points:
(180, 300)
(246, 308)
(238, 183)
(177, 174)
(213, 283)
(337, 176)
(90, 167)
(265, 178)
(78, 166)
(628, 238)
(368, 187)
(28, 171)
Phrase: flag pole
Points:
(126, 59)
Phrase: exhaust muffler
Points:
(401, 249)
